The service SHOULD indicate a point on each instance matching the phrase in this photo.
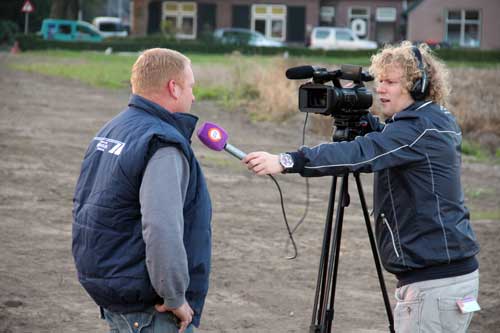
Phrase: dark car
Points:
(239, 36)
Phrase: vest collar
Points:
(185, 123)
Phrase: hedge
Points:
(134, 44)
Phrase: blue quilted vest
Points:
(108, 248)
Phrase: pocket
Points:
(391, 233)
(451, 318)
(407, 316)
(140, 322)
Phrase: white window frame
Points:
(386, 14)
(179, 15)
(268, 17)
(361, 16)
(327, 12)
(462, 21)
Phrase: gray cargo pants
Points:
(431, 306)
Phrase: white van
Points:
(110, 26)
(330, 38)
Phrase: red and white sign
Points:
(214, 135)
(27, 7)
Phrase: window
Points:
(83, 30)
(386, 14)
(343, 35)
(179, 18)
(463, 27)
(322, 34)
(270, 20)
(65, 29)
(327, 15)
(359, 21)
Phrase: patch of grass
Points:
(96, 69)
(221, 161)
(213, 93)
(485, 215)
(475, 150)
(478, 193)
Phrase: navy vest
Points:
(108, 248)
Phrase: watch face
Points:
(286, 160)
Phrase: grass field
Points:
(258, 84)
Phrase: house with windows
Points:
(463, 23)
(288, 21)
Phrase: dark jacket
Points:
(422, 226)
(108, 247)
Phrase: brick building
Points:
(465, 23)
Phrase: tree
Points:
(65, 9)
(10, 10)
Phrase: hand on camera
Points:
(263, 163)
(370, 123)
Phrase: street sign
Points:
(27, 7)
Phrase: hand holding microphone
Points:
(262, 163)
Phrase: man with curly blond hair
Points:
(422, 226)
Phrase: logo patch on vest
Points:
(114, 147)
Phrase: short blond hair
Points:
(155, 67)
(403, 56)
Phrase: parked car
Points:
(69, 31)
(330, 38)
(239, 36)
(110, 26)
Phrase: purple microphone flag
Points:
(213, 136)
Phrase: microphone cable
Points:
(306, 210)
(290, 232)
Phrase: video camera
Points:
(346, 105)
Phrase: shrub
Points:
(8, 31)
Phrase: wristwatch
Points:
(286, 160)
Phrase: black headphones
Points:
(420, 88)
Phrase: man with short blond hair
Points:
(142, 211)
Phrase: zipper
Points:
(390, 232)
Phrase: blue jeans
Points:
(147, 321)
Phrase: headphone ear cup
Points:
(416, 91)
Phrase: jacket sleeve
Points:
(393, 146)
(162, 195)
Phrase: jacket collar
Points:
(185, 123)
(406, 112)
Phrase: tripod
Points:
(323, 311)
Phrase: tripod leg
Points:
(323, 264)
(335, 251)
(375, 253)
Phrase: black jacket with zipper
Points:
(422, 226)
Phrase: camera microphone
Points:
(302, 72)
(215, 137)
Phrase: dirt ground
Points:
(45, 126)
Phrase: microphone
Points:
(302, 72)
(215, 137)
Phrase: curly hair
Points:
(403, 56)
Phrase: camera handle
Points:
(323, 311)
